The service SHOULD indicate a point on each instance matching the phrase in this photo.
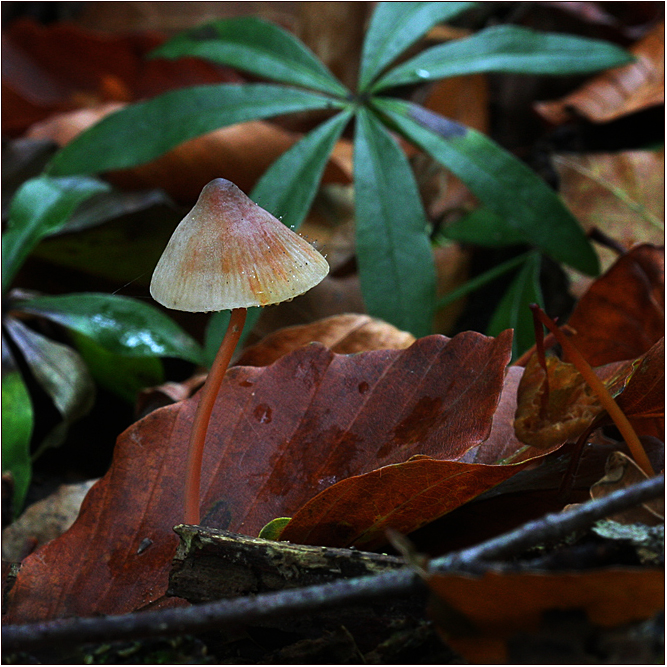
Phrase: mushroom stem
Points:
(203, 414)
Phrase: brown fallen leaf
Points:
(620, 472)
(345, 334)
(620, 194)
(335, 33)
(571, 406)
(358, 510)
(639, 385)
(639, 389)
(563, 414)
(493, 608)
(152, 398)
(278, 436)
(622, 314)
(620, 91)
(43, 521)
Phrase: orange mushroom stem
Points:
(228, 254)
(204, 411)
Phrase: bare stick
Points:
(203, 414)
(252, 609)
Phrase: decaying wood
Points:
(215, 564)
(306, 600)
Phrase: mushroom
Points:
(228, 253)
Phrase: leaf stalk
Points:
(606, 399)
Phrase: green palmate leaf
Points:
(508, 48)
(501, 182)
(484, 227)
(482, 279)
(396, 266)
(288, 187)
(17, 424)
(140, 132)
(253, 45)
(513, 312)
(119, 324)
(41, 207)
(60, 371)
(397, 25)
(286, 190)
(124, 376)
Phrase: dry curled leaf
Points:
(620, 91)
(43, 521)
(569, 408)
(345, 334)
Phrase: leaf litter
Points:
(345, 444)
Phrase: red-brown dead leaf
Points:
(404, 496)
(420, 488)
(639, 385)
(61, 67)
(623, 312)
(620, 91)
(499, 606)
(278, 436)
(344, 334)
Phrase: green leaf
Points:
(513, 312)
(508, 48)
(40, 207)
(396, 265)
(119, 324)
(286, 190)
(103, 251)
(273, 529)
(17, 424)
(140, 132)
(288, 187)
(112, 205)
(483, 227)
(482, 279)
(397, 25)
(124, 376)
(253, 45)
(500, 181)
(61, 373)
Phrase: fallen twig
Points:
(199, 618)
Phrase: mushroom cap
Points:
(228, 252)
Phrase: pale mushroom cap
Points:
(228, 252)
